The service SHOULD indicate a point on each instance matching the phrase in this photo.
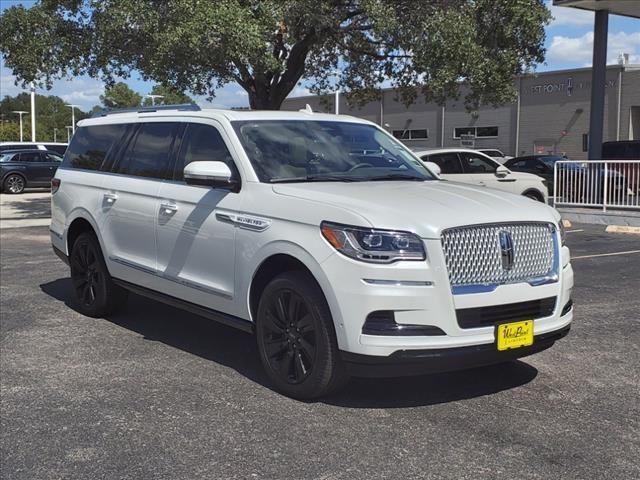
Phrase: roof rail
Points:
(191, 107)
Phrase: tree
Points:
(428, 47)
(119, 95)
(51, 113)
(170, 96)
(9, 132)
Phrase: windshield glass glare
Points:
(311, 150)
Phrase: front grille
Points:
(510, 312)
(475, 256)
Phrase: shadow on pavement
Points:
(235, 349)
(29, 207)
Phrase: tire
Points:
(296, 338)
(94, 292)
(14, 184)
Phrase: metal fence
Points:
(597, 183)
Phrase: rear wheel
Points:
(14, 183)
(95, 293)
(296, 338)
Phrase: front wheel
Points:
(296, 338)
(95, 293)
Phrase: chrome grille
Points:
(474, 255)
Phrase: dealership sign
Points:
(567, 86)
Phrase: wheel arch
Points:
(15, 172)
(277, 262)
(535, 192)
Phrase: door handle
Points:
(110, 197)
(168, 208)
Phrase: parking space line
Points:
(572, 231)
(606, 254)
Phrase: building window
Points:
(478, 132)
(414, 134)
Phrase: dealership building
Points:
(550, 115)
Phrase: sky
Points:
(569, 43)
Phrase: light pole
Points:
(73, 117)
(153, 98)
(69, 129)
(336, 100)
(55, 135)
(33, 112)
(20, 112)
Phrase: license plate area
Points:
(514, 335)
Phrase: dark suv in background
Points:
(27, 168)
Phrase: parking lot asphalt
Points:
(154, 392)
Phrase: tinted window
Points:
(29, 157)
(52, 157)
(519, 165)
(56, 148)
(448, 162)
(148, 153)
(476, 163)
(202, 143)
(90, 145)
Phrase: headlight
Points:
(373, 245)
(563, 232)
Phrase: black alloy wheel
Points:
(14, 183)
(290, 342)
(95, 293)
(296, 337)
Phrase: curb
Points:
(622, 229)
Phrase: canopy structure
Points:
(602, 8)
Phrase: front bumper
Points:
(420, 362)
(419, 294)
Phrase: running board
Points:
(225, 319)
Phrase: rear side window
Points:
(148, 154)
(202, 143)
(30, 157)
(90, 146)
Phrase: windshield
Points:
(308, 150)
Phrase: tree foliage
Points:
(428, 47)
(51, 112)
(119, 95)
(170, 96)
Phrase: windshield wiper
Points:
(396, 176)
(314, 178)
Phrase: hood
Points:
(425, 208)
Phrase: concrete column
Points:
(598, 78)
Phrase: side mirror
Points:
(210, 174)
(502, 171)
(434, 167)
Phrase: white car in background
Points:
(497, 155)
(470, 166)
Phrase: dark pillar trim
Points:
(598, 79)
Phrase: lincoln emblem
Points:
(506, 249)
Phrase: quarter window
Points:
(149, 152)
(90, 146)
(202, 143)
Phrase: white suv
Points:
(470, 166)
(321, 234)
